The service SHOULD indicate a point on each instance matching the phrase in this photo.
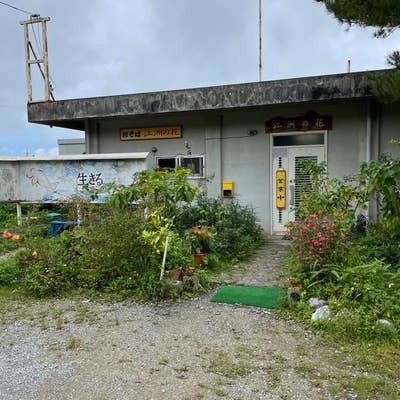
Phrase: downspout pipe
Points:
(368, 145)
(368, 134)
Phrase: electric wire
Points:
(39, 48)
(15, 8)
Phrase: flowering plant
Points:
(7, 235)
(316, 239)
(199, 236)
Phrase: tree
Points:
(384, 15)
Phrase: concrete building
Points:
(244, 141)
(67, 147)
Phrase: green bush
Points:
(119, 248)
(235, 233)
(8, 216)
(357, 274)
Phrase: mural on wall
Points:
(56, 180)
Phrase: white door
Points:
(287, 193)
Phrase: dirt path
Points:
(190, 349)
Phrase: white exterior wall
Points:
(71, 146)
(390, 129)
(232, 154)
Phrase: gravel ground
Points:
(190, 349)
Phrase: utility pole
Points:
(260, 40)
(41, 60)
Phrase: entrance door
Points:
(290, 182)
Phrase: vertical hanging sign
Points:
(280, 189)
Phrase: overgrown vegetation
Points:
(119, 248)
(339, 257)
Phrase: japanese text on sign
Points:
(310, 122)
(159, 132)
(281, 189)
(91, 179)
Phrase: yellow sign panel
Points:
(157, 132)
(227, 188)
(281, 189)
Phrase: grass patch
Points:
(222, 364)
(73, 343)
(374, 388)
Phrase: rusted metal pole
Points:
(260, 40)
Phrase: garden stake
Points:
(164, 258)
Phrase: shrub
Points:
(357, 273)
(233, 229)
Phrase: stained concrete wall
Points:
(53, 179)
(233, 154)
(71, 146)
(390, 129)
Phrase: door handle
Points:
(291, 189)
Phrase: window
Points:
(299, 139)
(194, 163)
(167, 162)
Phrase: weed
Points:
(163, 361)
(182, 369)
(59, 323)
(73, 343)
(220, 393)
(222, 364)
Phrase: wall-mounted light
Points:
(253, 132)
(154, 150)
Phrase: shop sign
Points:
(158, 132)
(281, 189)
(310, 122)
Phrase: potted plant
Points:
(199, 236)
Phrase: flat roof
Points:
(71, 141)
(73, 113)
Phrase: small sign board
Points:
(310, 122)
(157, 132)
(280, 189)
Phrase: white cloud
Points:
(46, 152)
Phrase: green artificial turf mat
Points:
(267, 297)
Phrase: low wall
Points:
(53, 179)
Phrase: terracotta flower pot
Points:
(175, 274)
(199, 259)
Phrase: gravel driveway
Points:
(190, 349)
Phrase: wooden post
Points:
(19, 214)
(47, 90)
(28, 65)
(29, 52)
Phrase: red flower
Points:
(6, 234)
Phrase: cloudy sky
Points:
(105, 47)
